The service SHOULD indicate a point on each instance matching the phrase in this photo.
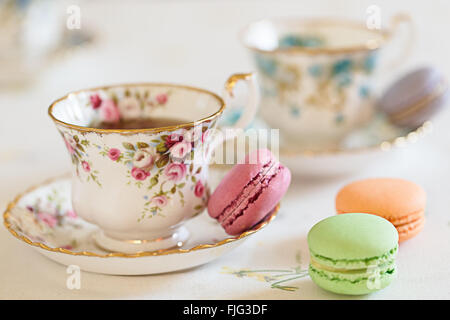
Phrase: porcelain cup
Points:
(316, 76)
(139, 185)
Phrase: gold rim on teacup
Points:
(229, 85)
(383, 35)
(410, 138)
(13, 204)
(133, 131)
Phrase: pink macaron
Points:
(249, 192)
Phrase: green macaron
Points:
(353, 253)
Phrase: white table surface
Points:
(195, 42)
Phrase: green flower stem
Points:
(254, 271)
(284, 275)
(275, 284)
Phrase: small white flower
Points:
(180, 150)
(144, 159)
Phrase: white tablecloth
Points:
(195, 42)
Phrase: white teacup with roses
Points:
(139, 185)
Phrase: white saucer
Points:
(377, 142)
(42, 217)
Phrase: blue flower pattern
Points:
(341, 72)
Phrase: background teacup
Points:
(315, 76)
(139, 185)
(33, 36)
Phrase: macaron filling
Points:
(354, 264)
(323, 267)
(354, 270)
(412, 225)
(250, 193)
(408, 220)
(355, 277)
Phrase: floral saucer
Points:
(377, 142)
(43, 217)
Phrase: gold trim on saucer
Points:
(387, 145)
(133, 131)
(13, 204)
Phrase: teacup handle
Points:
(253, 99)
(249, 110)
(396, 21)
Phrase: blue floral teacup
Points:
(315, 76)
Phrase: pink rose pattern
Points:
(131, 105)
(160, 201)
(114, 154)
(86, 166)
(163, 161)
(109, 112)
(47, 212)
(47, 218)
(159, 164)
(161, 98)
(139, 174)
(71, 214)
(173, 139)
(180, 150)
(77, 149)
(175, 171)
(96, 101)
(69, 147)
(199, 189)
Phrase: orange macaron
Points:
(400, 201)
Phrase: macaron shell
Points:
(264, 204)
(353, 236)
(353, 254)
(390, 198)
(361, 287)
(410, 230)
(410, 91)
(424, 114)
(235, 180)
(400, 201)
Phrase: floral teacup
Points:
(315, 76)
(139, 185)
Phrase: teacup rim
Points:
(384, 33)
(134, 131)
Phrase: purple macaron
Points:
(249, 192)
(416, 97)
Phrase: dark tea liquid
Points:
(148, 123)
